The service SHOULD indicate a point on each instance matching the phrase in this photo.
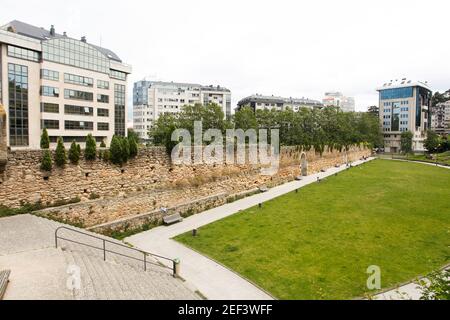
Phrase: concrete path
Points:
(212, 279)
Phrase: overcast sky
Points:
(287, 48)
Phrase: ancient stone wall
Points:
(106, 192)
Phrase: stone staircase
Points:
(27, 241)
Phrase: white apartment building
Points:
(404, 106)
(260, 102)
(337, 99)
(440, 118)
(49, 80)
(153, 98)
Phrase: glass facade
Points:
(78, 125)
(49, 124)
(18, 104)
(102, 112)
(118, 75)
(396, 93)
(49, 75)
(78, 95)
(75, 53)
(22, 53)
(102, 84)
(395, 124)
(49, 91)
(119, 109)
(78, 80)
(103, 98)
(49, 107)
(102, 126)
(78, 110)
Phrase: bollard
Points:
(296, 190)
(176, 268)
(194, 232)
(260, 205)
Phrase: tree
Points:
(74, 153)
(46, 162)
(133, 135)
(125, 146)
(45, 140)
(60, 156)
(437, 287)
(431, 142)
(245, 119)
(133, 146)
(90, 153)
(115, 150)
(406, 142)
(375, 110)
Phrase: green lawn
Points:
(317, 244)
(443, 158)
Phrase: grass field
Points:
(318, 244)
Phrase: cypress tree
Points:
(90, 153)
(133, 147)
(45, 140)
(115, 150)
(46, 163)
(74, 153)
(125, 149)
(60, 156)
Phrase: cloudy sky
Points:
(288, 48)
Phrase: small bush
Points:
(74, 153)
(106, 155)
(60, 156)
(133, 147)
(90, 153)
(116, 150)
(125, 149)
(45, 140)
(46, 162)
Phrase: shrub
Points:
(60, 157)
(74, 153)
(125, 149)
(45, 140)
(133, 146)
(106, 155)
(90, 153)
(46, 163)
(115, 150)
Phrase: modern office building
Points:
(440, 118)
(260, 102)
(337, 99)
(69, 86)
(153, 98)
(404, 106)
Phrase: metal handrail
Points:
(175, 262)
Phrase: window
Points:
(18, 104)
(49, 91)
(78, 80)
(103, 98)
(102, 84)
(78, 95)
(118, 75)
(25, 54)
(75, 53)
(49, 107)
(49, 124)
(78, 110)
(102, 112)
(49, 75)
(103, 126)
(78, 125)
(119, 109)
(397, 93)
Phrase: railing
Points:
(175, 262)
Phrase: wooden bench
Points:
(4, 279)
(172, 218)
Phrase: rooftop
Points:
(278, 99)
(403, 83)
(42, 34)
(183, 85)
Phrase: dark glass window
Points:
(79, 139)
(49, 107)
(102, 126)
(78, 125)
(49, 91)
(102, 84)
(102, 112)
(78, 80)
(78, 95)
(49, 124)
(49, 75)
(103, 98)
(78, 110)
(22, 53)
(119, 109)
(18, 104)
(396, 93)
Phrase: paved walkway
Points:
(212, 279)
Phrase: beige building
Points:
(260, 102)
(404, 106)
(70, 87)
(337, 99)
(153, 98)
(440, 118)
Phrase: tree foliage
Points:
(406, 142)
(45, 140)
(74, 153)
(46, 162)
(90, 153)
(60, 154)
